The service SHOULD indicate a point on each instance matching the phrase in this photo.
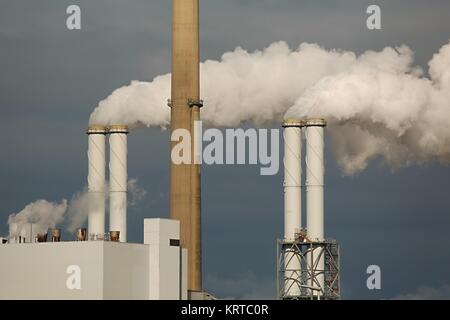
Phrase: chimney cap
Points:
(97, 129)
(316, 122)
(287, 123)
(116, 128)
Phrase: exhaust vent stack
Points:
(292, 200)
(118, 178)
(56, 235)
(96, 179)
(315, 171)
(81, 234)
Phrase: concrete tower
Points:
(185, 104)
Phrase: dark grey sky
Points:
(52, 78)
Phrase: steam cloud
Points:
(44, 214)
(78, 209)
(383, 106)
(377, 103)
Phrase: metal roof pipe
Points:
(96, 179)
(118, 178)
(81, 234)
(114, 236)
(292, 201)
(41, 237)
(56, 235)
(315, 171)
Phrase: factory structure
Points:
(99, 263)
(308, 264)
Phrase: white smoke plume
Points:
(135, 192)
(377, 103)
(78, 210)
(243, 87)
(383, 106)
(44, 214)
(41, 214)
(140, 103)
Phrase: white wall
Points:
(166, 272)
(38, 270)
(125, 271)
(108, 270)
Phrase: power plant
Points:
(100, 264)
(168, 264)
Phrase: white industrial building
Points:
(155, 270)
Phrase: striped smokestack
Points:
(315, 172)
(292, 199)
(96, 179)
(118, 178)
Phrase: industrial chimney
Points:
(96, 179)
(292, 200)
(292, 176)
(185, 103)
(315, 167)
(118, 178)
(315, 170)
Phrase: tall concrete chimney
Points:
(185, 203)
(96, 179)
(118, 178)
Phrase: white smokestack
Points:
(118, 178)
(315, 171)
(292, 177)
(292, 200)
(96, 180)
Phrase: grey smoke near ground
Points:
(41, 213)
(377, 103)
(44, 214)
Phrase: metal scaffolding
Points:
(298, 269)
